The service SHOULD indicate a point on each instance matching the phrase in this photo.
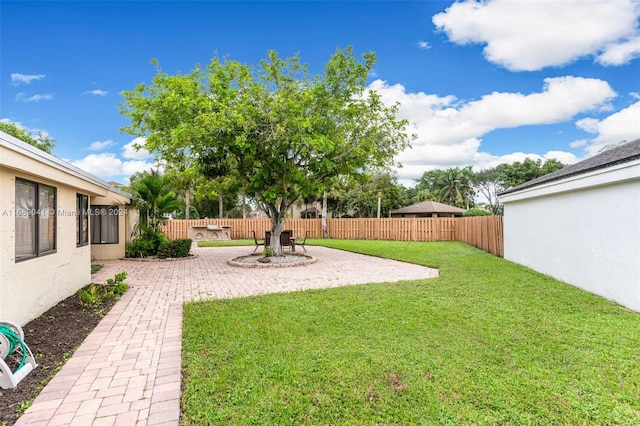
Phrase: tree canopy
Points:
(276, 128)
(40, 140)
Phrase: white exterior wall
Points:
(583, 230)
(30, 287)
(127, 220)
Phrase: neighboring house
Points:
(311, 210)
(581, 224)
(54, 219)
(428, 209)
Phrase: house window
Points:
(104, 224)
(82, 225)
(35, 219)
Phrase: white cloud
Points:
(104, 164)
(619, 54)
(619, 126)
(98, 146)
(530, 35)
(96, 92)
(131, 167)
(22, 97)
(423, 45)
(129, 150)
(579, 143)
(449, 130)
(18, 79)
(107, 165)
(449, 122)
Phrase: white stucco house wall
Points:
(54, 220)
(581, 224)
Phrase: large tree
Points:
(454, 187)
(488, 183)
(362, 196)
(277, 128)
(451, 186)
(39, 140)
(520, 172)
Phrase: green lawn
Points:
(488, 342)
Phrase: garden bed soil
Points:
(52, 338)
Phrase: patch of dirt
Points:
(52, 338)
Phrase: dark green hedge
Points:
(175, 248)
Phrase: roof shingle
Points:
(428, 207)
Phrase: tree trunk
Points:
(244, 206)
(278, 217)
(325, 230)
(220, 204)
(187, 202)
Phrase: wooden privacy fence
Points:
(484, 232)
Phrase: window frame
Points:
(36, 217)
(111, 212)
(82, 212)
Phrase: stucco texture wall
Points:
(588, 237)
(127, 220)
(29, 287)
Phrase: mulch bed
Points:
(52, 338)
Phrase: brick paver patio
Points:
(127, 372)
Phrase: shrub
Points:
(174, 248)
(140, 248)
(476, 212)
(267, 252)
(90, 296)
(95, 294)
(146, 243)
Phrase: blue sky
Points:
(481, 83)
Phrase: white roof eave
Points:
(14, 144)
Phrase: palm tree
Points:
(154, 199)
(455, 188)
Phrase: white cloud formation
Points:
(530, 35)
(129, 151)
(104, 164)
(619, 54)
(579, 143)
(18, 79)
(449, 130)
(98, 146)
(131, 167)
(107, 164)
(423, 45)
(96, 92)
(22, 97)
(623, 125)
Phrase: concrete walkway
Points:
(127, 371)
